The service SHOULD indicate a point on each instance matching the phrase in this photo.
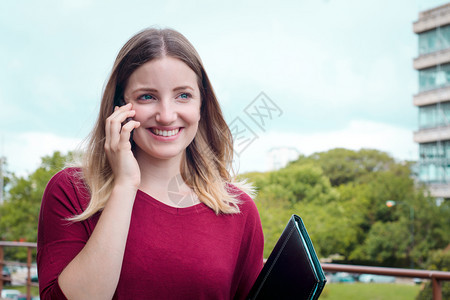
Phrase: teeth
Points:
(165, 132)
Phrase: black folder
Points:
(292, 270)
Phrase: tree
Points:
(431, 227)
(438, 260)
(385, 244)
(341, 196)
(304, 183)
(285, 192)
(20, 212)
(342, 165)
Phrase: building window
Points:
(434, 40)
(434, 164)
(434, 115)
(434, 173)
(434, 77)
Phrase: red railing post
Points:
(1, 268)
(435, 276)
(30, 247)
(29, 273)
(437, 291)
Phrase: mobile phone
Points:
(120, 101)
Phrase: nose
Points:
(166, 113)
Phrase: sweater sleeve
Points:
(60, 240)
(250, 260)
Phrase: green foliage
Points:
(385, 244)
(305, 183)
(332, 230)
(438, 260)
(285, 192)
(343, 166)
(274, 220)
(431, 227)
(341, 196)
(20, 212)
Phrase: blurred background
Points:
(345, 106)
(340, 71)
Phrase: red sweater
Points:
(171, 253)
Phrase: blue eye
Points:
(146, 97)
(185, 96)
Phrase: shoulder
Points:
(65, 175)
(65, 178)
(246, 204)
(67, 187)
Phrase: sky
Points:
(318, 74)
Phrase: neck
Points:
(161, 179)
(158, 172)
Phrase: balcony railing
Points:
(435, 276)
(431, 59)
(30, 248)
(432, 18)
(432, 96)
(432, 134)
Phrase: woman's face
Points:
(166, 97)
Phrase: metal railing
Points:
(30, 247)
(436, 277)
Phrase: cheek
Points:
(198, 113)
(191, 114)
(141, 113)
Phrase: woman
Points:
(152, 213)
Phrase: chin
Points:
(159, 155)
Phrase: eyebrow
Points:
(179, 88)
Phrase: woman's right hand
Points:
(95, 271)
(118, 147)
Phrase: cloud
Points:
(396, 141)
(292, 67)
(24, 150)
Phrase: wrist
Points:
(125, 188)
(127, 183)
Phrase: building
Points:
(433, 99)
(279, 157)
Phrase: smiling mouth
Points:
(164, 132)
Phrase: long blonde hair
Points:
(206, 165)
